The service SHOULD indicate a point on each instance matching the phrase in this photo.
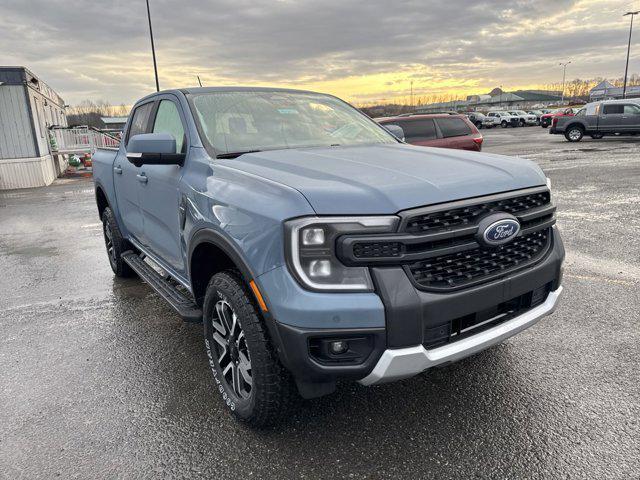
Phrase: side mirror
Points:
(396, 131)
(153, 149)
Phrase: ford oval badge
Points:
(501, 231)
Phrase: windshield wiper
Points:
(235, 154)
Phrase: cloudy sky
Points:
(363, 51)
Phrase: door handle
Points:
(142, 178)
(118, 170)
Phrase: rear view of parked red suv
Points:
(445, 131)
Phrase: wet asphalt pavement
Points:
(100, 379)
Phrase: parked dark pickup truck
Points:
(612, 117)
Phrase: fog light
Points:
(319, 268)
(338, 348)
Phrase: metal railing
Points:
(81, 140)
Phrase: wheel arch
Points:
(102, 201)
(211, 252)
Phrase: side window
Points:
(631, 110)
(418, 130)
(168, 121)
(140, 120)
(453, 127)
(613, 109)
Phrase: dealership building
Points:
(28, 107)
(496, 100)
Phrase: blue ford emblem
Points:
(501, 231)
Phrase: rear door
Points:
(126, 177)
(611, 117)
(420, 131)
(160, 192)
(456, 133)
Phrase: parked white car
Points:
(504, 119)
(525, 118)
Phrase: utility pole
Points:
(153, 48)
(626, 68)
(564, 75)
(411, 93)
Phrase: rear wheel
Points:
(115, 244)
(254, 386)
(574, 133)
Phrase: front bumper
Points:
(397, 320)
(396, 364)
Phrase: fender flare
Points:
(208, 235)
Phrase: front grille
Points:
(377, 249)
(469, 214)
(471, 266)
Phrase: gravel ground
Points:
(100, 379)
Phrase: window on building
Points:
(168, 121)
(453, 127)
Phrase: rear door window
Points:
(631, 110)
(140, 120)
(453, 127)
(418, 130)
(613, 109)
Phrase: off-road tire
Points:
(115, 245)
(272, 390)
(574, 133)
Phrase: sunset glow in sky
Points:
(362, 51)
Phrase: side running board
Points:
(181, 302)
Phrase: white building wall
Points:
(27, 172)
(16, 133)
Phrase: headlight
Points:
(310, 249)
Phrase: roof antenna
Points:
(199, 82)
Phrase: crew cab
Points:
(524, 117)
(480, 120)
(315, 246)
(437, 130)
(597, 119)
(547, 118)
(504, 119)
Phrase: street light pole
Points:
(564, 75)
(626, 68)
(153, 48)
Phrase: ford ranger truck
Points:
(315, 246)
(597, 119)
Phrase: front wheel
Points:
(504, 124)
(574, 134)
(254, 386)
(522, 123)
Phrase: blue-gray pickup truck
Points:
(315, 246)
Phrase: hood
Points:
(384, 179)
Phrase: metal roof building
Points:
(28, 107)
(606, 91)
(519, 99)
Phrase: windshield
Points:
(235, 122)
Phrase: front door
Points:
(161, 197)
(631, 118)
(126, 176)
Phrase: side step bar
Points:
(183, 304)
